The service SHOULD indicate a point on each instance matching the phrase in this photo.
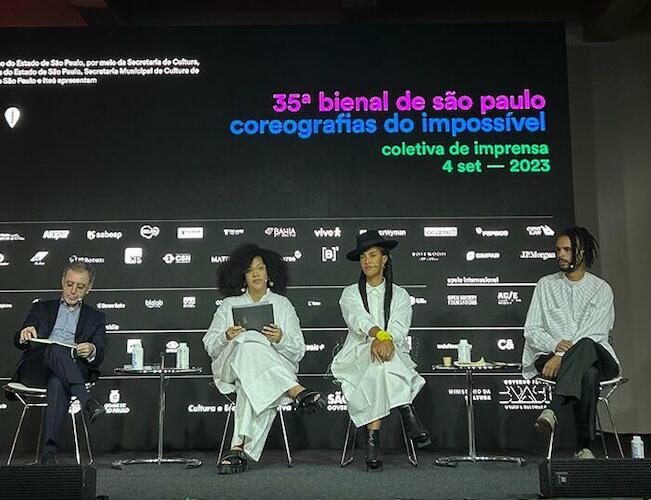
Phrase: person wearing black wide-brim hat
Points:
(374, 367)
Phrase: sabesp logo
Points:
(328, 233)
(281, 232)
(92, 234)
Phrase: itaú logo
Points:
(336, 402)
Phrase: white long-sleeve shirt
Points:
(565, 309)
(291, 345)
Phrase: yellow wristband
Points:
(383, 335)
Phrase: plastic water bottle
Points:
(137, 357)
(637, 447)
(183, 356)
(464, 351)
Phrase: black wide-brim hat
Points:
(367, 240)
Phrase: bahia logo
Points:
(328, 233)
(506, 298)
(56, 234)
(472, 255)
(92, 234)
(543, 230)
(148, 232)
(492, 233)
(281, 232)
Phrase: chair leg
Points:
(228, 419)
(282, 425)
(88, 447)
(612, 422)
(551, 445)
(20, 424)
(76, 436)
(40, 436)
(600, 430)
(409, 446)
(346, 461)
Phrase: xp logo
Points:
(506, 345)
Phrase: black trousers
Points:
(53, 368)
(583, 366)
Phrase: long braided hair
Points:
(582, 240)
(388, 287)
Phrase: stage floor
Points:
(315, 474)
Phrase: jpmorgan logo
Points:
(148, 232)
(472, 255)
(56, 234)
(281, 232)
(508, 297)
(328, 233)
(506, 345)
(488, 233)
(441, 232)
(535, 254)
(542, 230)
(92, 234)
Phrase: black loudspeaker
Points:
(65, 482)
(618, 477)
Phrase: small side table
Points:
(469, 369)
(164, 374)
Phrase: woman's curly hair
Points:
(230, 274)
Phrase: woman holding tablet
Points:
(261, 366)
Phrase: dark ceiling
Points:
(586, 21)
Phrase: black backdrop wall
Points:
(154, 152)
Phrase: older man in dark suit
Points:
(62, 370)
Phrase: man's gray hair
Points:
(80, 267)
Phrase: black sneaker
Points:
(93, 409)
(49, 458)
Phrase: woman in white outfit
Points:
(374, 367)
(260, 367)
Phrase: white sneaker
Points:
(584, 454)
